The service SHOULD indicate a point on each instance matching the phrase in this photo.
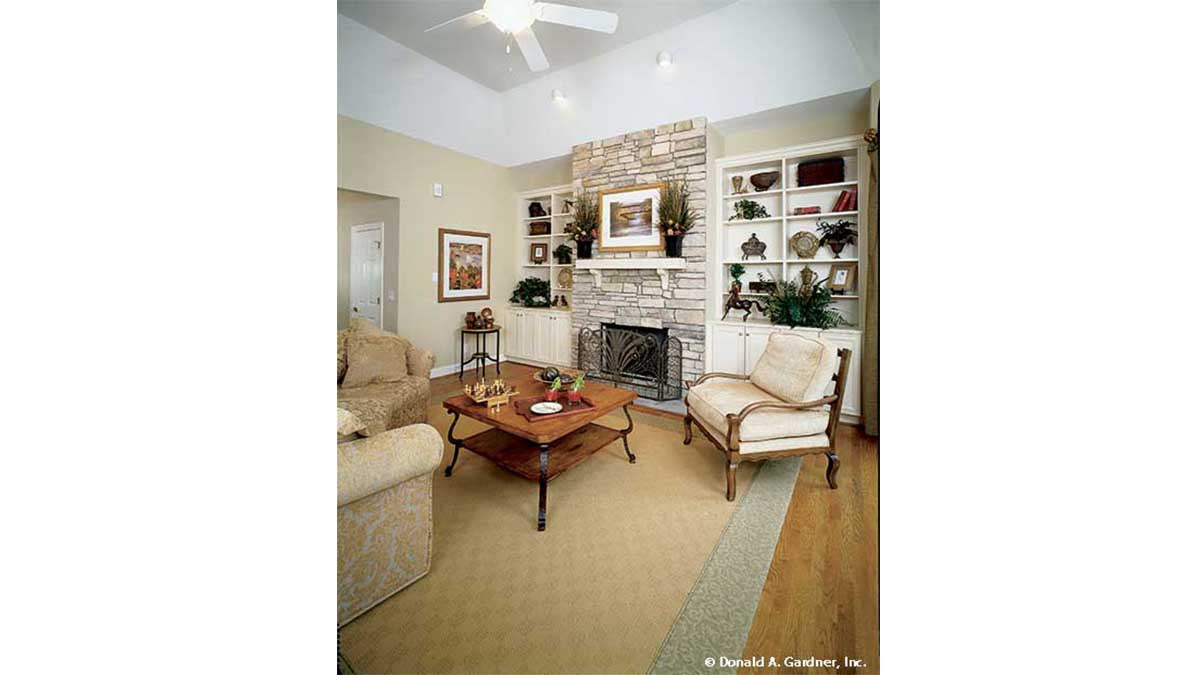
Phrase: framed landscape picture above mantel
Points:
(464, 265)
(627, 219)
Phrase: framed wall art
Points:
(627, 219)
(539, 253)
(841, 277)
(464, 265)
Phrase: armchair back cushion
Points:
(795, 367)
(375, 358)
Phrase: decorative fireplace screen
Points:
(645, 360)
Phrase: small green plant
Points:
(788, 306)
(563, 254)
(578, 385)
(531, 292)
(841, 232)
(556, 385)
(586, 225)
(744, 209)
(675, 214)
(736, 270)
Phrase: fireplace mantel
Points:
(660, 265)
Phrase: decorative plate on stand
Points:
(805, 244)
(565, 279)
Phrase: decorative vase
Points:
(583, 249)
(674, 245)
(736, 286)
(471, 319)
(738, 182)
(763, 181)
(836, 247)
(536, 210)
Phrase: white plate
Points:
(546, 407)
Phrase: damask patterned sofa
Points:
(382, 378)
(385, 512)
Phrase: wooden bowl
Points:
(764, 181)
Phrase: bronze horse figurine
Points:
(735, 302)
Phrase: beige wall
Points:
(536, 175)
(356, 208)
(478, 196)
(807, 128)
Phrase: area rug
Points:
(598, 591)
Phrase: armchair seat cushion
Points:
(712, 400)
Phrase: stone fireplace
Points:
(620, 295)
(641, 358)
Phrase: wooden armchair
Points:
(778, 410)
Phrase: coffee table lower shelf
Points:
(541, 463)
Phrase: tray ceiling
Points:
(478, 53)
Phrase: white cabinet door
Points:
(512, 337)
(729, 349)
(528, 320)
(852, 341)
(562, 340)
(756, 344)
(544, 342)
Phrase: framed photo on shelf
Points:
(841, 277)
(464, 265)
(539, 253)
(627, 219)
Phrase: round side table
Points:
(479, 359)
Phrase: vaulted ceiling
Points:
(732, 60)
(479, 53)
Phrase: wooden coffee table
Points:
(540, 450)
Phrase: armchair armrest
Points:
(803, 405)
(378, 462)
(420, 361)
(724, 376)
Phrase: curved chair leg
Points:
(832, 469)
(687, 429)
(731, 480)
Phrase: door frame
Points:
(367, 227)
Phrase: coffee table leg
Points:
(625, 436)
(545, 457)
(457, 443)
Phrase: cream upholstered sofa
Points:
(382, 378)
(385, 512)
(780, 409)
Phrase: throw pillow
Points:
(795, 367)
(348, 423)
(375, 358)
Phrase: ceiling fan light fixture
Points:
(558, 96)
(665, 59)
(510, 16)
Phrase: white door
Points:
(562, 340)
(513, 337)
(729, 349)
(544, 343)
(366, 272)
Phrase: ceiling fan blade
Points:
(579, 17)
(471, 20)
(532, 49)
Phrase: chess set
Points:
(494, 395)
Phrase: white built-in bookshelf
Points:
(553, 200)
(776, 230)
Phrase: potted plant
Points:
(531, 292)
(736, 271)
(837, 235)
(586, 225)
(792, 305)
(745, 209)
(675, 215)
(552, 392)
(576, 390)
(563, 254)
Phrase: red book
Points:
(853, 205)
(805, 210)
(841, 201)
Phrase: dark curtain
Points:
(870, 361)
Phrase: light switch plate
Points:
(391, 295)
(433, 277)
(437, 189)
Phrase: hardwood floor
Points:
(821, 597)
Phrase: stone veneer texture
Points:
(635, 297)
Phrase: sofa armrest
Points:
(420, 361)
(369, 465)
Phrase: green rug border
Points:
(718, 612)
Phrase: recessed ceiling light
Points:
(665, 59)
(558, 96)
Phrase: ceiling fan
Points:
(516, 17)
